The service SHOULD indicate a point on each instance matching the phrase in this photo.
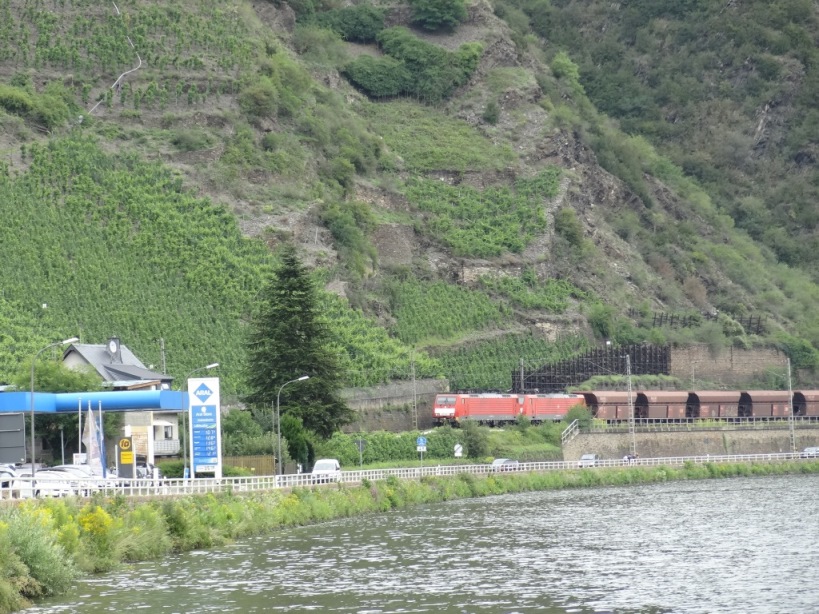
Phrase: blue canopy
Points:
(125, 400)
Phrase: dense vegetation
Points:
(234, 123)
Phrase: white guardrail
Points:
(21, 487)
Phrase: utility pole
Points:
(630, 408)
(790, 413)
(414, 392)
(522, 387)
(162, 354)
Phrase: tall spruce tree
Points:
(289, 340)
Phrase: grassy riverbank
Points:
(46, 544)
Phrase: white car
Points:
(589, 460)
(46, 484)
(326, 470)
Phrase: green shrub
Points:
(360, 24)
(15, 100)
(438, 14)
(422, 69)
(32, 536)
(379, 77)
(568, 226)
(350, 223)
(260, 99)
(191, 139)
(491, 112)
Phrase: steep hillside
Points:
(462, 199)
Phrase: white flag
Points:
(91, 439)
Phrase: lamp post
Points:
(279, 422)
(33, 361)
(186, 409)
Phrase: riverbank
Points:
(46, 544)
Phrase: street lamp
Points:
(186, 409)
(279, 421)
(33, 361)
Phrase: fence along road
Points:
(21, 487)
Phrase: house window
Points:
(168, 432)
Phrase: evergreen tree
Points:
(289, 340)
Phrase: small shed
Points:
(712, 404)
(661, 405)
(764, 404)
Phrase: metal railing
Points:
(21, 486)
(570, 432)
(644, 425)
(166, 446)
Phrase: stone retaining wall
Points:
(695, 443)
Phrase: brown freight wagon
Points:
(712, 404)
(764, 404)
(608, 404)
(661, 405)
(806, 403)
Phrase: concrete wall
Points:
(695, 443)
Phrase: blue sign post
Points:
(205, 434)
(421, 446)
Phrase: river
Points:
(744, 545)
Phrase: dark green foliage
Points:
(350, 224)
(289, 340)
(802, 354)
(360, 24)
(491, 112)
(299, 446)
(476, 440)
(240, 433)
(579, 413)
(49, 109)
(191, 140)
(379, 77)
(424, 70)
(568, 226)
(438, 14)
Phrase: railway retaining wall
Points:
(391, 407)
(729, 366)
(689, 443)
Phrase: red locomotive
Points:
(498, 409)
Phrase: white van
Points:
(326, 470)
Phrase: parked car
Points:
(505, 464)
(89, 481)
(589, 460)
(46, 484)
(810, 452)
(326, 470)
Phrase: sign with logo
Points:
(205, 425)
(125, 458)
(421, 444)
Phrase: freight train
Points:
(495, 409)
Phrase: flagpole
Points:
(79, 427)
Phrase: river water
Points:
(745, 545)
